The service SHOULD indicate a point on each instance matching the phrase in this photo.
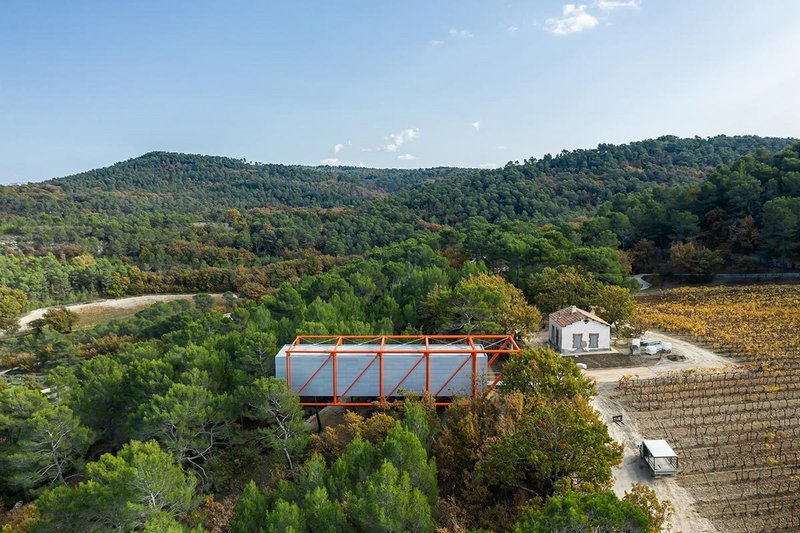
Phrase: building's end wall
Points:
(584, 329)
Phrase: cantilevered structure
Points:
(361, 370)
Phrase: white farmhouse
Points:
(574, 331)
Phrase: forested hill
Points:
(542, 190)
(189, 183)
(558, 187)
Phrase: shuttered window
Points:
(577, 340)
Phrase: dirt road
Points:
(642, 283)
(119, 303)
(633, 470)
(693, 356)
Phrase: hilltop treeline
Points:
(557, 188)
(167, 222)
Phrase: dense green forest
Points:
(744, 215)
(173, 420)
(152, 413)
(174, 222)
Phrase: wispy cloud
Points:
(488, 165)
(512, 29)
(476, 124)
(574, 19)
(452, 34)
(460, 34)
(334, 162)
(398, 139)
(338, 147)
(406, 157)
(609, 5)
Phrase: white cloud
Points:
(334, 162)
(398, 139)
(610, 5)
(512, 29)
(461, 34)
(436, 42)
(337, 148)
(476, 124)
(406, 157)
(488, 165)
(574, 19)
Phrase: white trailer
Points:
(660, 457)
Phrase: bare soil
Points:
(685, 355)
(101, 311)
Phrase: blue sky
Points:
(390, 84)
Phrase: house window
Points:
(594, 340)
(577, 340)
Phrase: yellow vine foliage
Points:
(757, 322)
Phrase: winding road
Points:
(642, 283)
(130, 302)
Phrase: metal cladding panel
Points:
(302, 369)
(349, 366)
(396, 367)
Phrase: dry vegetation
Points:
(758, 323)
(737, 431)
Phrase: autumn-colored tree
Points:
(745, 236)
(252, 290)
(496, 453)
(543, 372)
(333, 440)
(20, 519)
(659, 513)
(61, 319)
(613, 304)
(480, 304)
(643, 256)
(12, 304)
(690, 257)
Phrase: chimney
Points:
(573, 309)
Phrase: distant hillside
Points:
(541, 190)
(189, 183)
(558, 187)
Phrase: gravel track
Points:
(117, 303)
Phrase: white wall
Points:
(584, 328)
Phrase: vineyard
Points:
(757, 323)
(737, 430)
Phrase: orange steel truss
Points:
(493, 346)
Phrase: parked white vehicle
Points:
(650, 346)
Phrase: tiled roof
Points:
(570, 315)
